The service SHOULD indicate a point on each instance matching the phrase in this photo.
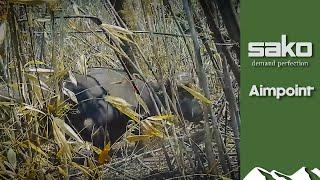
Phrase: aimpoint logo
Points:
(280, 49)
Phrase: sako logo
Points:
(280, 49)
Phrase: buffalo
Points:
(98, 121)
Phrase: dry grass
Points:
(33, 144)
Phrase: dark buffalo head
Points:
(189, 106)
(91, 115)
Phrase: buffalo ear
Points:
(184, 78)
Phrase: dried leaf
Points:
(130, 113)
(26, 108)
(11, 173)
(2, 32)
(37, 149)
(104, 155)
(117, 28)
(61, 141)
(37, 90)
(35, 82)
(149, 129)
(6, 104)
(117, 33)
(34, 62)
(124, 107)
(2, 167)
(50, 177)
(73, 78)
(96, 149)
(43, 20)
(135, 138)
(116, 49)
(196, 94)
(62, 172)
(82, 64)
(142, 103)
(67, 129)
(161, 117)
(83, 169)
(117, 101)
(12, 158)
(112, 36)
(72, 25)
(70, 94)
(225, 178)
(40, 70)
(75, 8)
